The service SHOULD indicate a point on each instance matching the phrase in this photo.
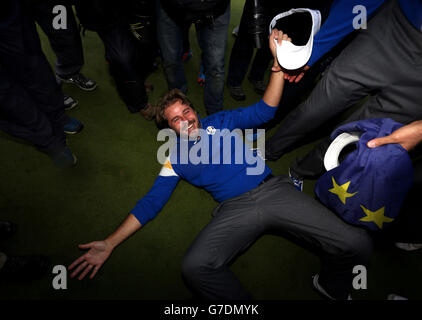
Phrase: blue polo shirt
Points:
(220, 170)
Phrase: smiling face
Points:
(182, 119)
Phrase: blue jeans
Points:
(211, 39)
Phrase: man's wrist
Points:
(110, 243)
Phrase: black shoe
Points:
(64, 159)
(80, 80)
(69, 102)
(237, 93)
(258, 85)
(7, 229)
(24, 267)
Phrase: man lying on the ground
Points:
(251, 203)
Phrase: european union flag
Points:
(369, 186)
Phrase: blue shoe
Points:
(73, 126)
(298, 183)
(64, 159)
(201, 76)
(187, 55)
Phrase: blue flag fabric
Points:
(369, 186)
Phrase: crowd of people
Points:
(379, 64)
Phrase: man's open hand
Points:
(295, 75)
(98, 253)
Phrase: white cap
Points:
(290, 56)
(333, 151)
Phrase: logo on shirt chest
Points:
(211, 130)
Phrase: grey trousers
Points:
(383, 63)
(273, 206)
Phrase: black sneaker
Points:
(7, 229)
(24, 267)
(80, 80)
(321, 290)
(69, 102)
(64, 159)
(258, 85)
(237, 93)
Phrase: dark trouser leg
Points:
(170, 39)
(125, 66)
(22, 117)
(205, 266)
(339, 245)
(213, 42)
(66, 43)
(241, 53)
(293, 95)
(31, 102)
(273, 206)
(260, 64)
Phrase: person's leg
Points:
(205, 267)
(66, 43)
(241, 54)
(170, 40)
(238, 222)
(31, 102)
(259, 67)
(340, 246)
(22, 118)
(354, 74)
(121, 53)
(213, 41)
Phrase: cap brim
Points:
(293, 57)
(333, 152)
(290, 56)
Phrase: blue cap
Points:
(370, 185)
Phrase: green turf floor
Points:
(57, 210)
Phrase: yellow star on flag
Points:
(341, 191)
(375, 216)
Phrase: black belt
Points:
(267, 178)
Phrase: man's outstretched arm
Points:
(99, 251)
(145, 210)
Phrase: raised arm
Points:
(264, 110)
(274, 91)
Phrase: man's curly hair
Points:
(167, 100)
